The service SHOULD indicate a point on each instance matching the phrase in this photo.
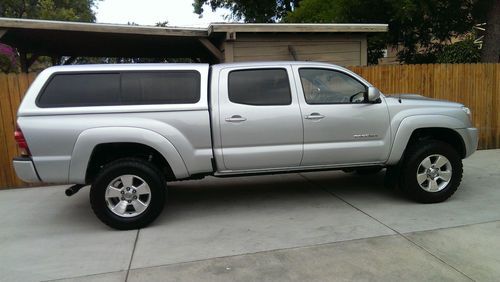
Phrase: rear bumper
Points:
(471, 139)
(25, 170)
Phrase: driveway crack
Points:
(132, 255)
(387, 226)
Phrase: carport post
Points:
(213, 50)
(25, 62)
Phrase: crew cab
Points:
(128, 130)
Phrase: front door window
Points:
(322, 86)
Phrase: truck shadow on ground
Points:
(255, 187)
(273, 193)
(213, 195)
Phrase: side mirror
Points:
(373, 94)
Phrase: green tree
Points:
(346, 11)
(162, 24)
(251, 11)
(8, 62)
(421, 27)
(464, 51)
(65, 10)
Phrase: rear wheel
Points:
(128, 194)
(431, 172)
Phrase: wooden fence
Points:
(12, 89)
(475, 85)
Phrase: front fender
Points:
(409, 124)
(90, 138)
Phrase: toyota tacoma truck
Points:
(128, 130)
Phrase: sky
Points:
(149, 12)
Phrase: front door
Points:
(260, 119)
(340, 126)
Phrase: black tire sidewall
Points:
(144, 170)
(417, 153)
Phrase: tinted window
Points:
(260, 87)
(169, 87)
(322, 86)
(103, 89)
(70, 90)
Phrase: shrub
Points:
(8, 59)
(464, 51)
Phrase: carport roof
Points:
(57, 38)
(28, 24)
(299, 27)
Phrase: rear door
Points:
(259, 118)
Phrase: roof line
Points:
(101, 27)
(296, 27)
(189, 31)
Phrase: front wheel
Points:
(128, 194)
(431, 172)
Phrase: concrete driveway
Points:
(306, 227)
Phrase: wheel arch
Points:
(106, 153)
(437, 127)
(137, 141)
(443, 134)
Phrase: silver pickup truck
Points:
(127, 130)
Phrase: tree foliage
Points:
(464, 51)
(252, 11)
(421, 27)
(8, 62)
(346, 11)
(66, 10)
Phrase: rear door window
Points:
(260, 87)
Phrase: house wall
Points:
(340, 49)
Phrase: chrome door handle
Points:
(315, 116)
(236, 118)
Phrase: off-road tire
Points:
(145, 170)
(415, 154)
